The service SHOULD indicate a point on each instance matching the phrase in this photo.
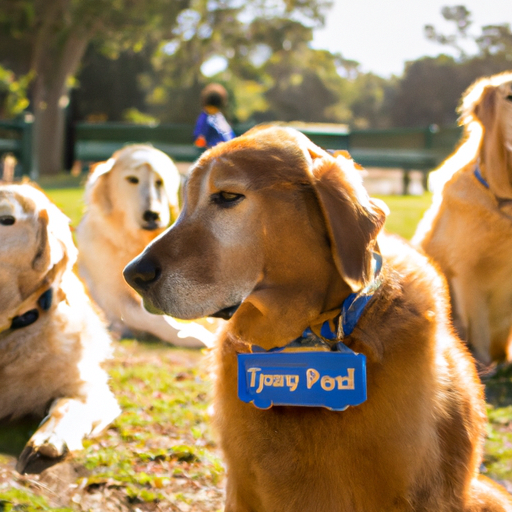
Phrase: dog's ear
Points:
(485, 108)
(493, 153)
(42, 256)
(352, 219)
(98, 186)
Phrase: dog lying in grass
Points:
(130, 200)
(52, 342)
(281, 236)
(468, 229)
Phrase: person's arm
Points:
(200, 130)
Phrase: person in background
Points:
(211, 125)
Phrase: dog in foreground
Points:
(130, 200)
(468, 229)
(52, 343)
(288, 235)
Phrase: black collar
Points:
(44, 303)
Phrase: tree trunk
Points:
(48, 135)
(54, 64)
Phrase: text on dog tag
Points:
(334, 380)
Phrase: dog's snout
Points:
(141, 273)
(150, 216)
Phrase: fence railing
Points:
(408, 149)
(16, 139)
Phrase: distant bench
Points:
(94, 151)
(96, 142)
(16, 139)
(408, 149)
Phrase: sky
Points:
(383, 34)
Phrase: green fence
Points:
(16, 139)
(408, 149)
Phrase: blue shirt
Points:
(214, 128)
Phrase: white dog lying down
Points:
(129, 202)
(52, 342)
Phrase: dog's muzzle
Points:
(151, 220)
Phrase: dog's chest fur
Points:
(385, 454)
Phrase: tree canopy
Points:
(148, 61)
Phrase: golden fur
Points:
(55, 363)
(288, 231)
(468, 229)
(115, 228)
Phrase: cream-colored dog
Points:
(468, 229)
(52, 342)
(130, 200)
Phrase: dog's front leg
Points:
(472, 309)
(68, 422)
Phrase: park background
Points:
(64, 62)
(69, 61)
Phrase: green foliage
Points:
(19, 500)
(13, 93)
(132, 115)
(245, 35)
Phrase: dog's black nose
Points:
(150, 216)
(141, 273)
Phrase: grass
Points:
(405, 213)
(160, 454)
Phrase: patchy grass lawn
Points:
(160, 454)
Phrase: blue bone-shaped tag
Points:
(333, 379)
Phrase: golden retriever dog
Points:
(130, 200)
(468, 229)
(52, 342)
(282, 236)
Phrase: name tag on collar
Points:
(334, 380)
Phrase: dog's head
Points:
(269, 221)
(34, 236)
(139, 183)
(488, 102)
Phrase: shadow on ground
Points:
(15, 434)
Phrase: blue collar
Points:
(352, 308)
(479, 177)
(351, 311)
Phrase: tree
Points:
(461, 17)
(494, 40)
(109, 89)
(372, 101)
(431, 87)
(13, 93)
(49, 38)
(428, 93)
(244, 36)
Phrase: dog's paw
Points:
(40, 454)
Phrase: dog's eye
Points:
(132, 179)
(226, 199)
(159, 183)
(7, 220)
(509, 97)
